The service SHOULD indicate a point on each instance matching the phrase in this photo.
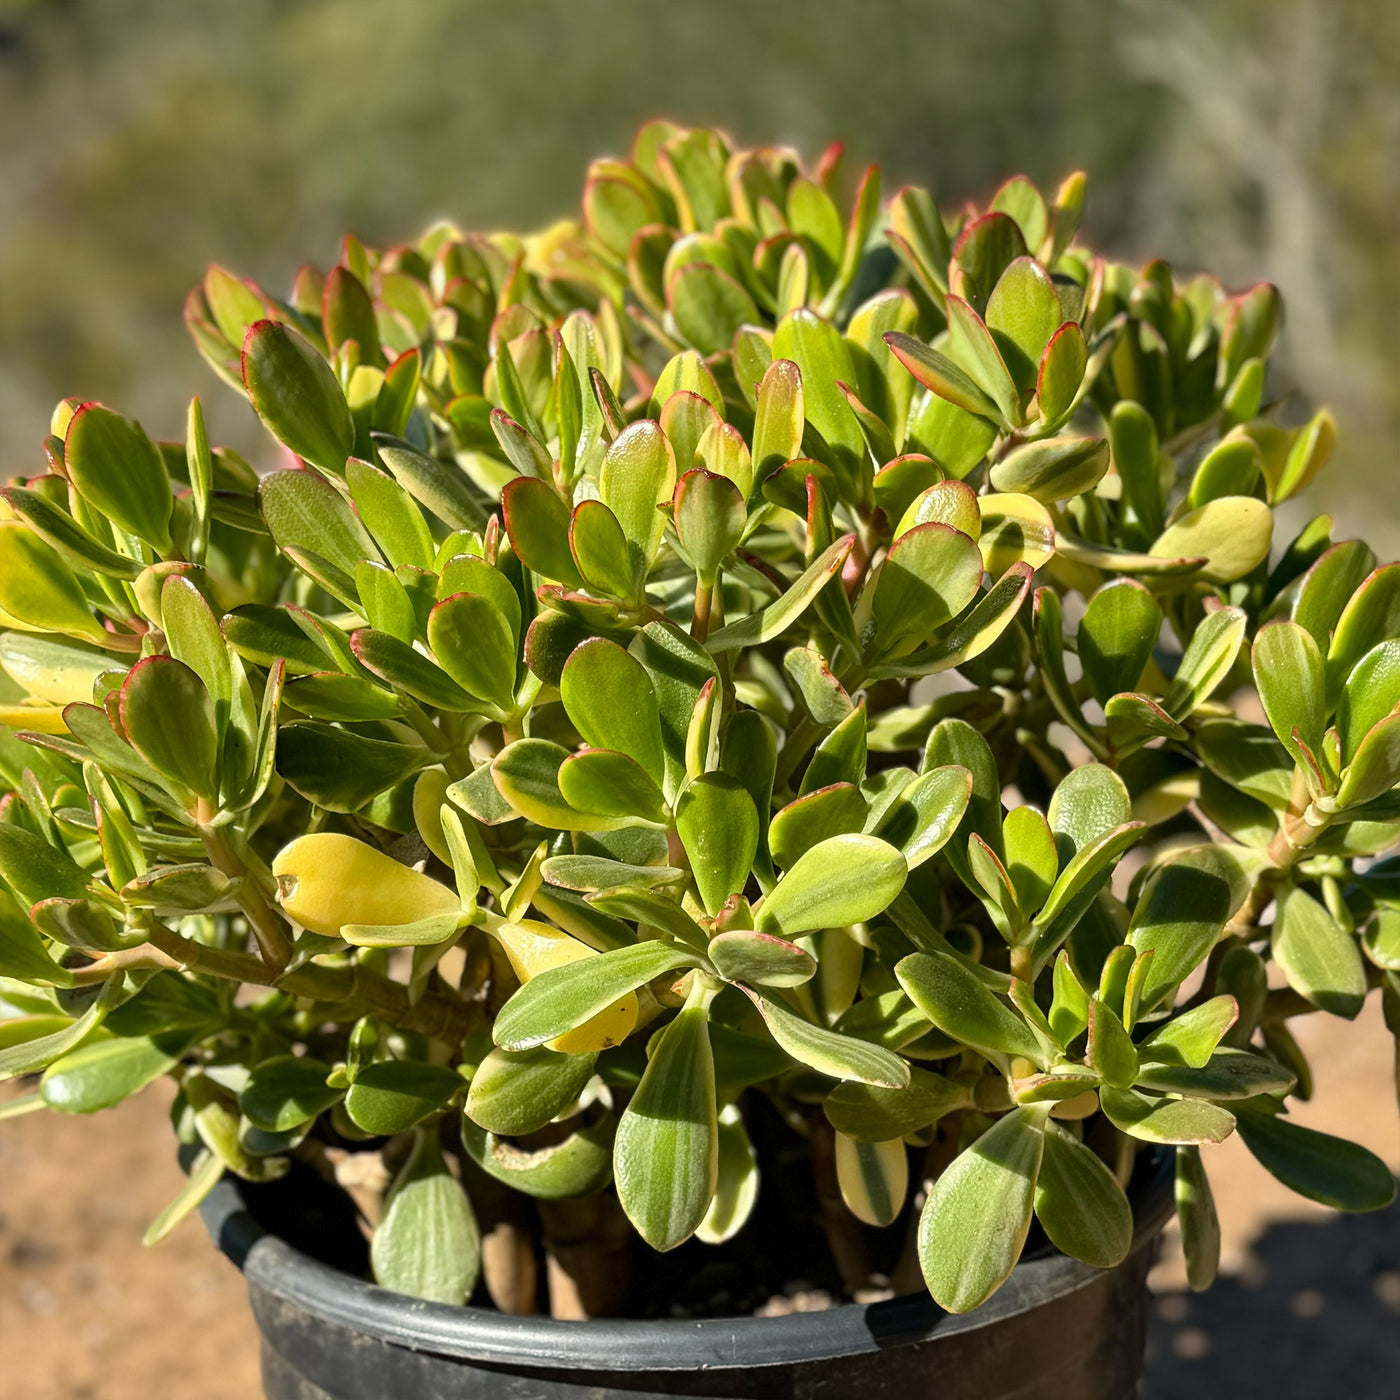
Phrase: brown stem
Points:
(349, 992)
(845, 1235)
(508, 1264)
(123, 960)
(586, 1256)
(268, 928)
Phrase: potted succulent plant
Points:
(732, 730)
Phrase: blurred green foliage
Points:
(145, 138)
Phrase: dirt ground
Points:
(1310, 1305)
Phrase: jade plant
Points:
(749, 653)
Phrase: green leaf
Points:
(600, 549)
(1031, 859)
(1078, 884)
(737, 1188)
(1375, 768)
(1080, 1204)
(941, 376)
(638, 474)
(193, 888)
(610, 784)
(1327, 1169)
(577, 1165)
(609, 698)
(526, 774)
(718, 826)
(823, 358)
(760, 960)
(1023, 313)
(978, 1213)
(710, 518)
(830, 1053)
(35, 869)
(1019, 198)
(1015, 529)
(1054, 469)
(1088, 802)
(1110, 1051)
(778, 616)
(1061, 372)
(971, 345)
(37, 586)
(304, 511)
(840, 756)
(593, 873)
(709, 306)
(120, 473)
(1209, 657)
(206, 1172)
(1228, 1074)
(515, 1092)
(1195, 1211)
(475, 644)
(1180, 914)
(537, 521)
(778, 418)
(927, 811)
(1232, 534)
(1191, 1038)
(296, 394)
(560, 998)
(962, 1007)
(873, 1178)
(985, 248)
(1231, 468)
(169, 717)
(103, 1073)
(971, 634)
(843, 880)
(1116, 637)
(58, 529)
(390, 515)
(30, 1056)
(1320, 959)
(666, 1155)
(873, 1113)
(812, 818)
(930, 575)
(286, 1091)
(1288, 672)
(390, 1096)
(917, 233)
(427, 1245)
(340, 770)
(441, 487)
(1371, 613)
(1183, 1122)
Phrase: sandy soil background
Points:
(1309, 1306)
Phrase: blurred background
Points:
(145, 138)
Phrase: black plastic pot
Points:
(1057, 1330)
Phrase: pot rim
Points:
(275, 1267)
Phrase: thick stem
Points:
(586, 1253)
(347, 992)
(268, 928)
(700, 615)
(844, 1233)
